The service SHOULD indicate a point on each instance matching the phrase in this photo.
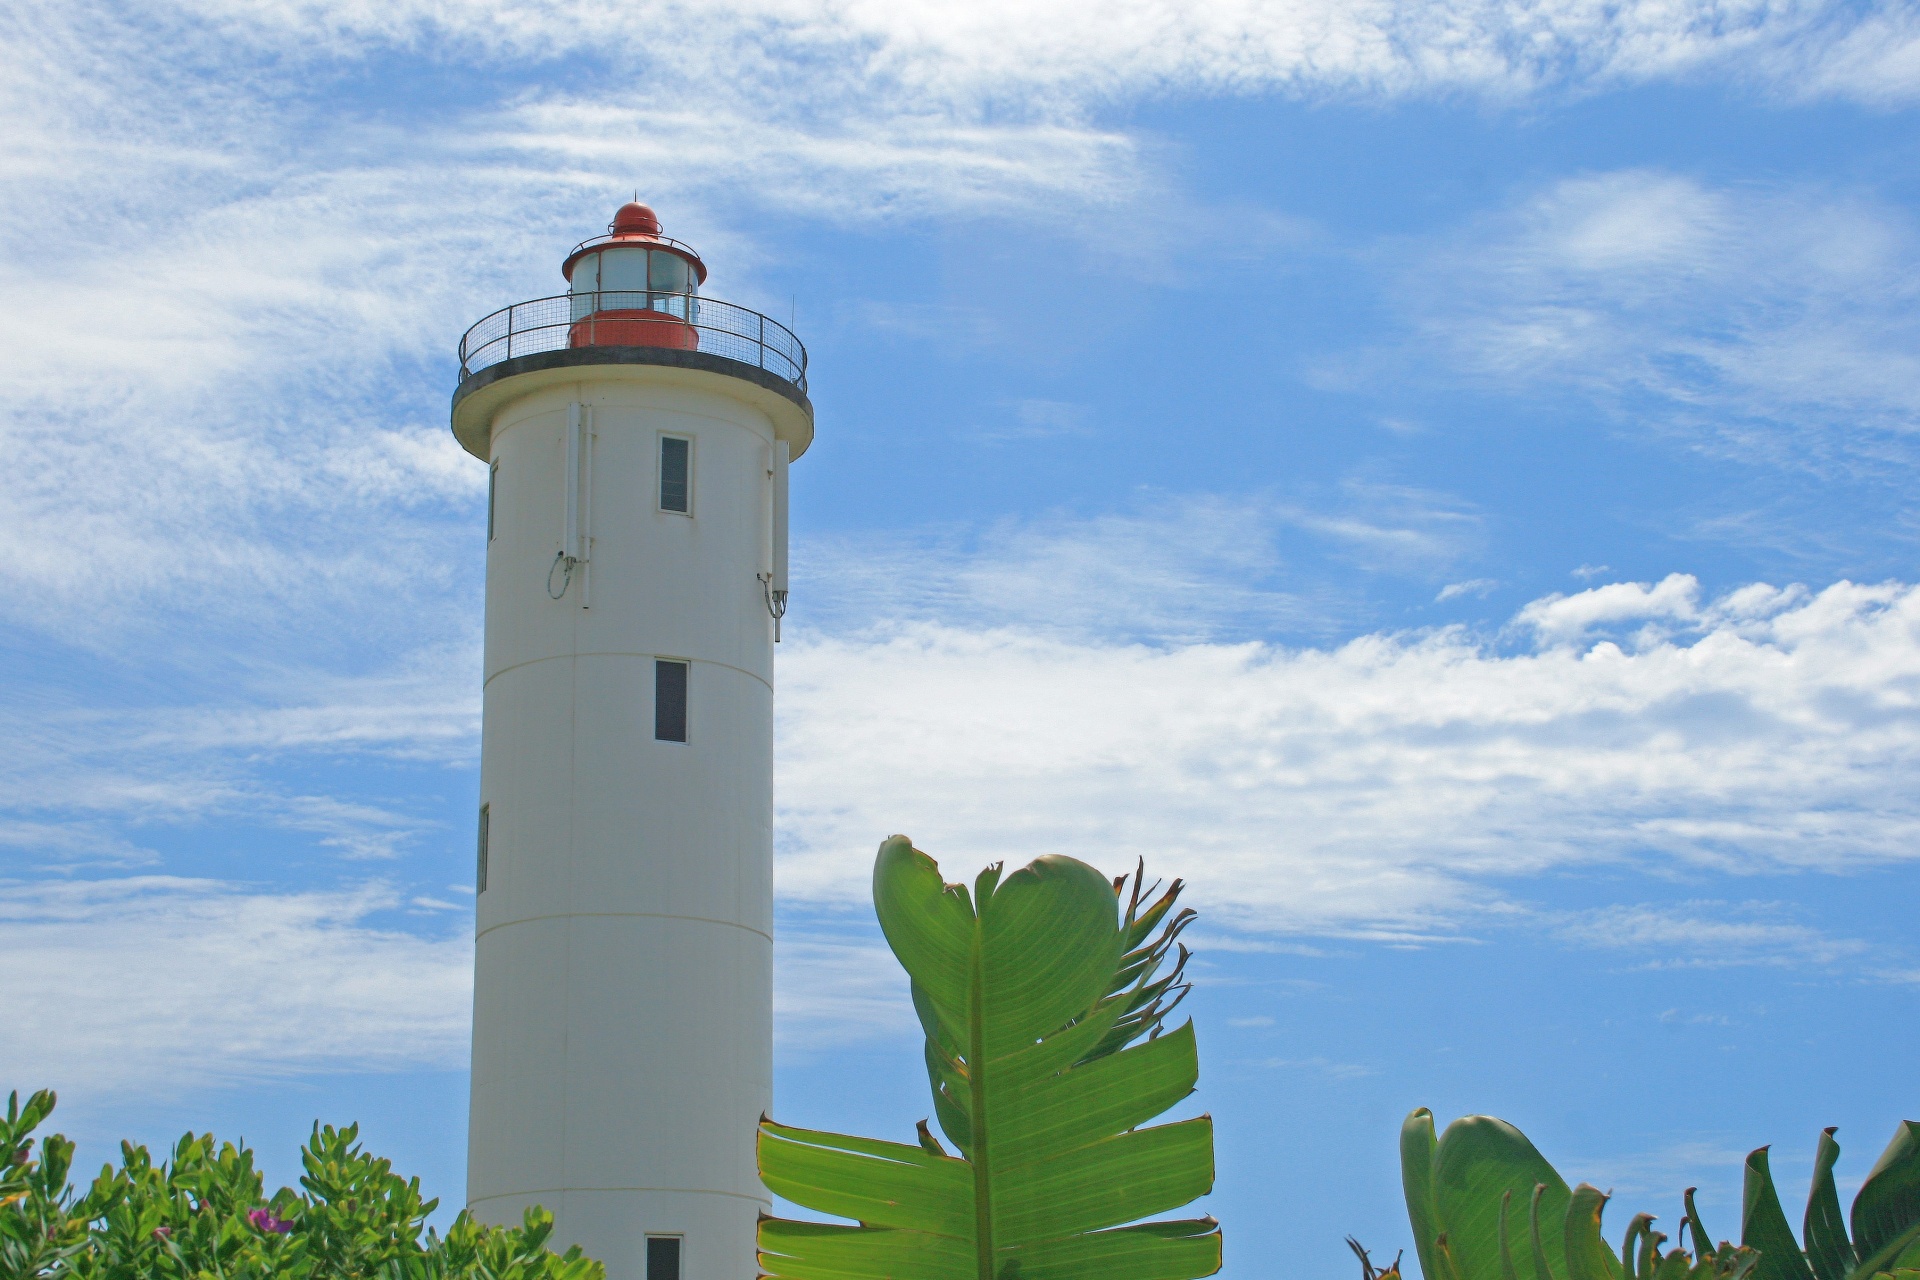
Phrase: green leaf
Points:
(1829, 1252)
(1475, 1161)
(1586, 1252)
(1763, 1226)
(1674, 1266)
(1889, 1201)
(1507, 1271)
(1540, 1266)
(887, 1184)
(1702, 1238)
(1636, 1264)
(1032, 992)
(1903, 1251)
(1149, 1251)
(1417, 1147)
(829, 1251)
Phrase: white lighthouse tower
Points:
(637, 435)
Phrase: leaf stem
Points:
(977, 1089)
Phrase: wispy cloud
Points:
(1480, 587)
(1774, 323)
(832, 985)
(90, 783)
(1076, 51)
(1711, 935)
(155, 983)
(1178, 567)
(152, 984)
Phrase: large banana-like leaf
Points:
(1886, 1213)
(1588, 1257)
(1042, 1004)
(1763, 1225)
(1462, 1186)
(1829, 1252)
(1885, 1217)
(1484, 1204)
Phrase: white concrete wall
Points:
(623, 1009)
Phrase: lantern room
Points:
(634, 286)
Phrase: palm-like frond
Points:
(1043, 1006)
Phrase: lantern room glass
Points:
(632, 278)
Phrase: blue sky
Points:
(1439, 478)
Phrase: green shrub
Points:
(204, 1213)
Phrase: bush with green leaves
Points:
(1041, 996)
(203, 1214)
(1485, 1205)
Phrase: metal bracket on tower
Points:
(576, 544)
(774, 584)
(776, 603)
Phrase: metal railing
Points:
(614, 239)
(635, 317)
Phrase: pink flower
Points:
(263, 1220)
(161, 1233)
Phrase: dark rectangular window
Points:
(663, 1258)
(670, 700)
(480, 855)
(493, 483)
(676, 474)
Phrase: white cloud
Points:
(1391, 784)
(1178, 567)
(1185, 567)
(156, 983)
(1776, 323)
(153, 984)
(1711, 935)
(1559, 618)
(89, 785)
(834, 986)
(1481, 587)
(851, 165)
(1078, 51)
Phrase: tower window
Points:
(676, 474)
(493, 485)
(670, 700)
(480, 852)
(663, 1258)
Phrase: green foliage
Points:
(1467, 1192)
(1042, 1002)
(203, 1214)
(1885, 1239)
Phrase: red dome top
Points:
(635, 224)
(635, 218)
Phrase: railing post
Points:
(763, 342)
(510, 311)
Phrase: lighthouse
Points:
(637, 433)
